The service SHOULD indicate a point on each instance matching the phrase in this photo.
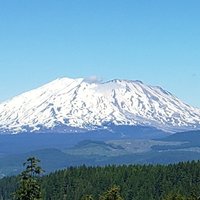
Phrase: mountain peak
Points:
(125, 80)
(89, 103)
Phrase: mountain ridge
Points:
(82, 104)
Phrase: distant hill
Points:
(62, 151)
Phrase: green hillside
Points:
(146, 182)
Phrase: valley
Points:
(58, 151)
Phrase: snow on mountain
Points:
(84, 104)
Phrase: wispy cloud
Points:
(93, 79)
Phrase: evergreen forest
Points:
(130, 182)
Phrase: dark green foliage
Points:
(136, 182)
(29, 188)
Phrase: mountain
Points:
(66, 104)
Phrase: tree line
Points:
(127, 182)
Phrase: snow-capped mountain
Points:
(82, 104)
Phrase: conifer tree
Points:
(112, 194)
(29, 188)
(87, 197)
(173, 196)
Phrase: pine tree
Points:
(175, 196)
(87, 197)
(112, 194)
(29, 188)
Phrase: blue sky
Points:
(155, 41)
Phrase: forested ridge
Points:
(138, 182)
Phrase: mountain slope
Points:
(81, 104)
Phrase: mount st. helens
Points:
(78, 104)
